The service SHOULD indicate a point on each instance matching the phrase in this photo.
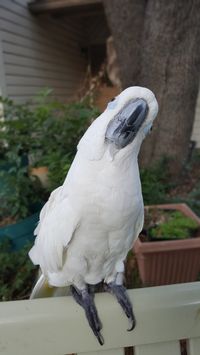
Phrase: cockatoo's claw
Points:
(132, 324)
(100, 338)
(86, 300)
(119, 291)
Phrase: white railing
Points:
(58, 326)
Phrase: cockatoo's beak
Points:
(123, 128)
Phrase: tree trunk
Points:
(168, 62)
(171, 68)
(126, 20)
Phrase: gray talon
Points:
(86, 300)
(119, 291)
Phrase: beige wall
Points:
(37, 52)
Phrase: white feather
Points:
(56, 219)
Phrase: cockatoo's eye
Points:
(112, 104)
(148, 129)
(123, 128)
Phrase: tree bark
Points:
(167, 48)
(126, 20)
(170, 68)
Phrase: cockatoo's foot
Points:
(119, 291)
(86, 300)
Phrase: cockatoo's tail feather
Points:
(42, 289)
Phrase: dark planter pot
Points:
(21, 233)
(169, 262)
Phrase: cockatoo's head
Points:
(122, 127)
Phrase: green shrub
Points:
(43, 133)
(19, 194)
(169, 225)
(17, 273)
(155, 183)
(192, 199)
(59, 128)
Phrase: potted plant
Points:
(168, 248)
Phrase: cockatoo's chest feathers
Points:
(110, 198)
(110, 218)
(119, 208)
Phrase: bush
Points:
(59, 128)
(17, 273)
(155, 183)
(19, 195)
(45, 133)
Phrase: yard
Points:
(61, 63)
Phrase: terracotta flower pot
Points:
(169, 262)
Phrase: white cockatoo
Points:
(89, 224)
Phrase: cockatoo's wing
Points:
(56, 227)
(53, 198)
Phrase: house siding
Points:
(2, 71)
(38, 52)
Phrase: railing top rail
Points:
(58, 326)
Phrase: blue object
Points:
(21, 232)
